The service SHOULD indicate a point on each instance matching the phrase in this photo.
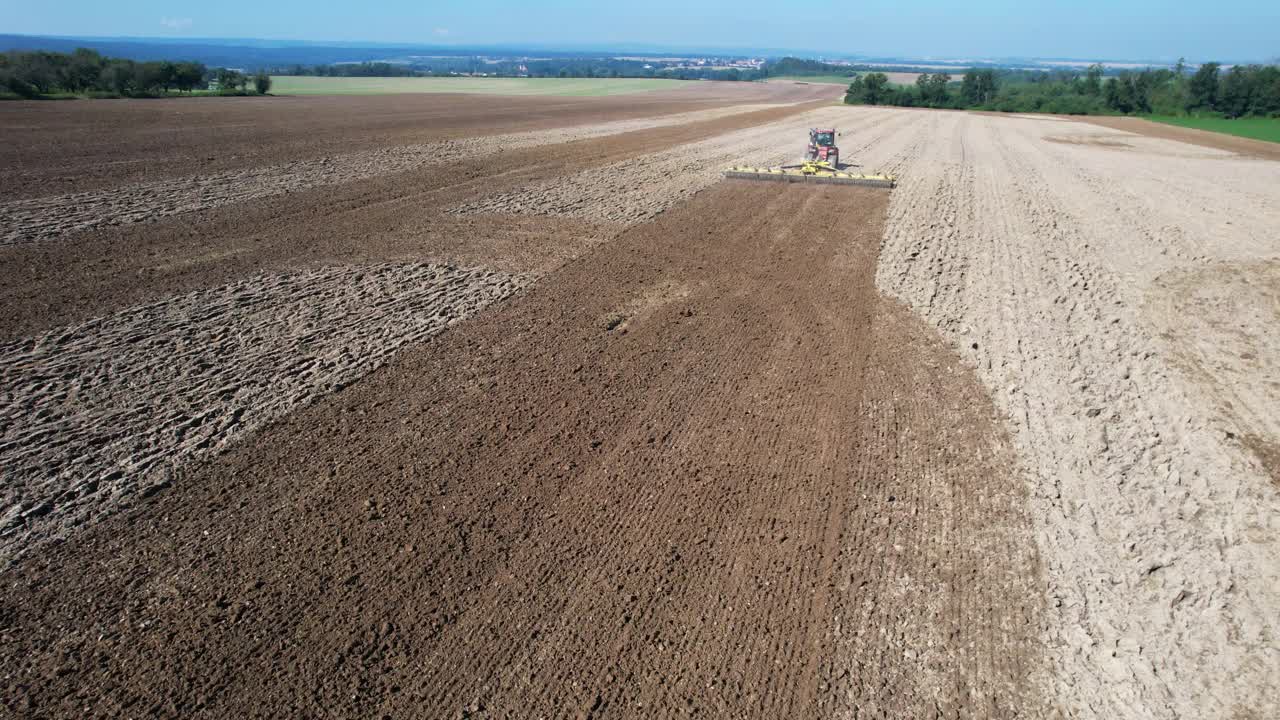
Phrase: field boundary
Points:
(1250, 147)
(1254, 128)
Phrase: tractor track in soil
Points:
(703, 468)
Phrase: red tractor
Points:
(821, 165)
(822, 147)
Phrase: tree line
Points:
(84, 72)
(801, 67)
(364, 69)
(1241, 91)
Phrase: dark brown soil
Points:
(1268, 453)
(702, 469)
(1107, 141)
(395, 217)
(61, 147)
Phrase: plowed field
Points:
(515, 408)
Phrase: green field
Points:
(1257, 128)
(831, 79)
(305, 85)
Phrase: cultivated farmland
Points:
(424, 405)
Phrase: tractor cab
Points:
(822, 138)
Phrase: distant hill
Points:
(223, 53)
(252, 53)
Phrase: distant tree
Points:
(262, 83)
(978, 87)
(932, 89)
(1235, 93)
(938, 89)
(150, 77)
(1093, 80)
(11, 80)
(1268, 100)
(229, 80)
(854, 93)
(1172, 97)
(82, 70)
(37, 70)
(1142, 84)
(969, 88)
(922, 84)
(188, 76)
(1203, 88)
(1117, 96)
(119, 77)
(987, 84)
(166, 75)
(875, 88)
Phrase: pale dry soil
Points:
(1209, 318)
(1118, 297)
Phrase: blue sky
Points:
(1120, 29)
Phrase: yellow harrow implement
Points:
(816, 171)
